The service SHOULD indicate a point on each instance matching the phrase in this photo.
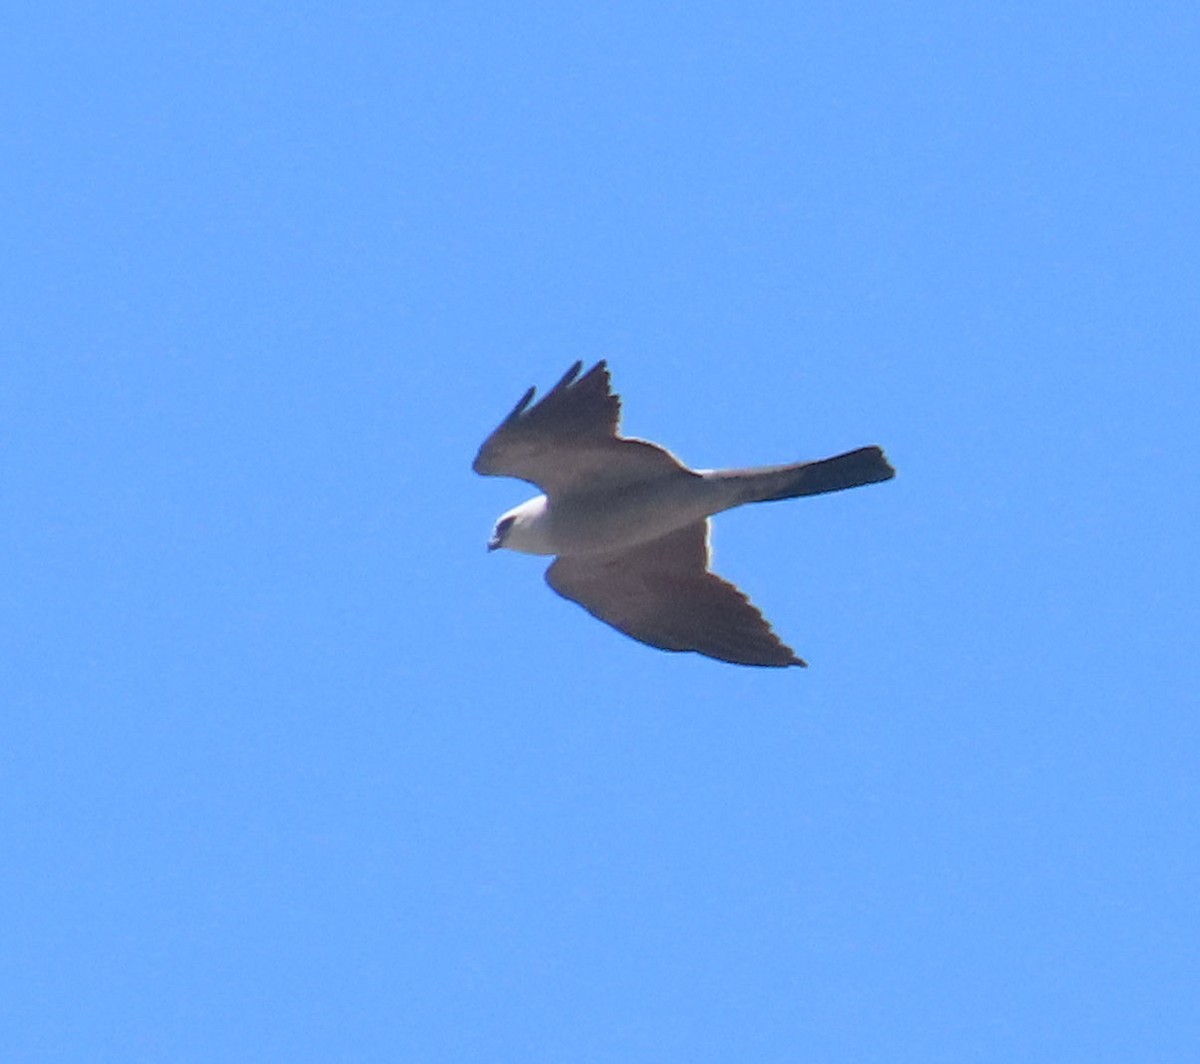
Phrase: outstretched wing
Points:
(662, 593)
(569, 439)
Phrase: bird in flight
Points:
(628, 524)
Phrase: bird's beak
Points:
(493, 544)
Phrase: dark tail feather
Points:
(867, 465)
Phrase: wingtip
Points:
(522, 403)
(565, 381)
(792, 659)
(568, 378)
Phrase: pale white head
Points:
(523, 529)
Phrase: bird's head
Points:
(522, 529)
(500, 532)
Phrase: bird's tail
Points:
(867, 465)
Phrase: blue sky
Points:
(291, 769)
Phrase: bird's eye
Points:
(503, 527)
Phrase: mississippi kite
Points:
(628, 522)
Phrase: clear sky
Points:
(292, 770)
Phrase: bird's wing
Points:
(569, 439)
(662, 593)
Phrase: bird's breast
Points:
(607, 520)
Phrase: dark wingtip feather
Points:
(522, 403)
(567, 378)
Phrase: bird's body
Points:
(628, 522)
(597, 522)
